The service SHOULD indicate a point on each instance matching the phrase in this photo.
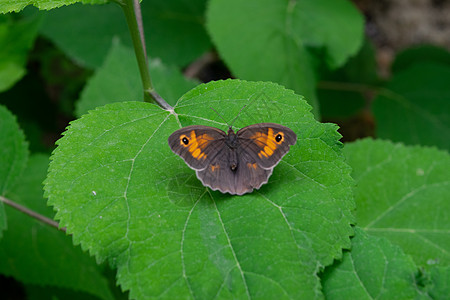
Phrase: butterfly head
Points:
(230, 126)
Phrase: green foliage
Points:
(3, 223)
(179, 20)
(279, 38)
(118, 80)
(16, 39)
(18, 5)
(341, 92)
(374, 269)
(415, 108)
(128, 200)
(439, 279)
(402, 194)
(420, 54)
(28, 242)
(13, 153)
(129, 193)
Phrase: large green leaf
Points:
(373, 269)
(174, 31)
(16, 39)
(118, 80)
(414, 108)
(275, 38)
(36, 253)
(17, 5)
(402, 194)
(122, 194)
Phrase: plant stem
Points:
(31, 213)
(132, 11)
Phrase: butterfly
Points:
(235, 163)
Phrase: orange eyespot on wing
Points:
(268, 142)
(195, 144)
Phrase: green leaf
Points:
(402, 194)
(373, 269)
(341, 93)
(39, 254)
(126, 197)
(173, 31)
(17, 5)
(420, 54)
(16, 39)
(414, 107)
(276, 37)
(118, 80)
(77, 39)
(13, 157)
(14, 151)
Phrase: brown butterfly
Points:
(235, 163)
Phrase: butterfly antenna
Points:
(237, 115)
(221, 116)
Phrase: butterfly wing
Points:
(266, 143)
(220, 176)
(197, 145)
(207, 150)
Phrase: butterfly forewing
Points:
(266, 143)
(197, 145)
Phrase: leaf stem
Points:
(132, 11)
(31, 213)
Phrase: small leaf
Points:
(276, 38)
(173, 31)
(127, 198)
(16, 39)
(402, 194)
(373, 269)
(414, 108)
(118, 80)
(39, 254)
(13, 153)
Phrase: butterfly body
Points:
(235, 163)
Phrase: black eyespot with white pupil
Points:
(185, 140)
(278, 138)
